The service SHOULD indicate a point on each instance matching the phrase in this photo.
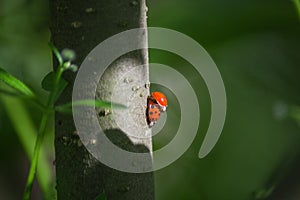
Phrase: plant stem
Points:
(57, 77)
(297, 5)
(41, 133)
(26, 132)
(36, 153)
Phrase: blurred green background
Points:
(256, 46)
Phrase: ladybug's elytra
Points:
(161, 100)
(156, 103)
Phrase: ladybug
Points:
(156, 103)
(161, 100)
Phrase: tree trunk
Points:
(82, 25)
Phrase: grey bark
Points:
(81, 25)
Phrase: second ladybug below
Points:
(156, 103)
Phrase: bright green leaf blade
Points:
(56, 53)
(15, 83)
(67, 108)
(297, 6)
(25, 130)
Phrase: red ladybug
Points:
(160, 99)
(156, 103)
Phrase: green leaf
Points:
(56, 53)
(15, 83)
(67, 108)
(26, 132)
(22, 96)
(48, 82)
(13, 94)
(295, 113)
(101, 196)
(297, 6)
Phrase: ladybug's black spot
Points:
(152, 106)
(153, 119)
(151, 113)
(155, 112)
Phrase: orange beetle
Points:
(156, 103)
(160, 99)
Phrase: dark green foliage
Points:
(48, 84)
(101, 196)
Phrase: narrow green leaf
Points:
(297, 6)
(67, 108)
(13, 94)
(22, 96)
(25, 130)
(56, 53)
(15, 83)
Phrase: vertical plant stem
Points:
(26, 132)
(41, 133)
(57, 77)
(297, 5)
(36, 153)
